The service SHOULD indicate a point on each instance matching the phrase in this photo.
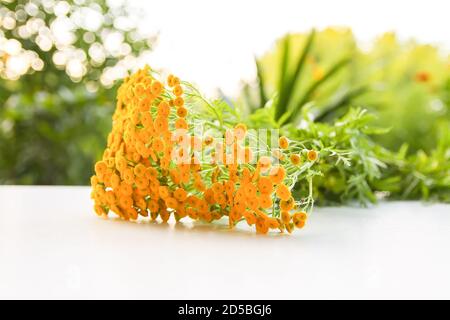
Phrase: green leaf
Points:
(286, 86)
(261, 84)
(341, 99)
(283, 75)
(375, 130)
(315, 85)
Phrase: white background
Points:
(213, 43)
(52, 245)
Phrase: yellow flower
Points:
(163, 109)
(283, 142)
(181, 112)
(180, 194)
(285, 217)
(177, 90)
(142, 172)
(288, 204)
(264, 163)
(240, 131)
(312, 155)
(299, 219)
(283, 192)
(295, 159)
(277, 174)
(265, 185)
(179, 101)
(156, 88)
(170, 80)
(265, 201)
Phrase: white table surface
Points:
(52, 245)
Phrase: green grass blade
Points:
(313, 87)
(247, 97)
(340, 102)
(261, 83)
(288, 86)
(280, 108)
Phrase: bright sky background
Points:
(212, 43)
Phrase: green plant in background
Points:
(302, 68)
(421, 175)
(408, 89)
(312, 87)
(59, 62)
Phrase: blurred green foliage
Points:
(406, 84)
(59, 61)
(314, 86)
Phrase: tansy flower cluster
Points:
(151, 166)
